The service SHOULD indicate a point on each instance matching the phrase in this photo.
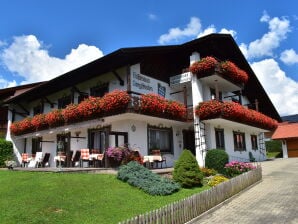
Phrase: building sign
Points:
(144, 84)
(141, 82)
(179, 79)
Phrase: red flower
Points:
(90, 108)
(54, 118)
(156, 105)
(39, 122)
(71, 114)
(206, 66)
(230, 70)
(114, 102)
(15, 129)
(235, 112)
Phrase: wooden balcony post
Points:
(185, 96)
(257, 104)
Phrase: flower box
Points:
(115, 102)
(234, 112)
(208, 65)
(155, 105)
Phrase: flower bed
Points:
(236, 168)
(235, 112)
(206, 66)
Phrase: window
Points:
(213, 94)
(160, 138)
(239, 141)
(219, 138)
(99, 91)
(82, 97)
(254, 142)
(36, 145)
(97, 139)
(38, 109)
(64, 101)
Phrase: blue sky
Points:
(40, 40)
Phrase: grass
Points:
(274, 155)
(29, 197)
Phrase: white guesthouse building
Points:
(162, 70)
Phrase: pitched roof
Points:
(160, 62)
(290, 118)
(286, 130)
(11, 92)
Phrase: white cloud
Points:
(192, 29)
(212, 29)
(278, 30)
(207, 31)
(152, 16)
(6, 84)
(27, 57)
(281, 89)
(232, 32)
(289, 57)
(2, 43)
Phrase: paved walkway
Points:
(274, 200)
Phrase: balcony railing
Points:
(113, 103)
(235, 112)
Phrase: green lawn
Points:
(271, 155)
(30, 197)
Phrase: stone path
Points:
(274, 200)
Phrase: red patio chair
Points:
(85, 157)
(25, 159)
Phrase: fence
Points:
(184, 210)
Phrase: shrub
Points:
(6, 151)
(151, 183)
(208, 172)
(217, 180)
(251, 157)
(235, 168)
(186, 170)
(273, 146)
(216, 159)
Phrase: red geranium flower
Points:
(235, 112)
(206, 66)
(39, 122)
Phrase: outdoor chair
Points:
(25, 159)
(75, 161)
(36, 161)
(95, 157)
(85, 157)
(163, 159)
(45, 160)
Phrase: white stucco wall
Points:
(229, 142)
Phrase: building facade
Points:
(150, 98)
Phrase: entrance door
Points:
(189, 141)
(63, 145)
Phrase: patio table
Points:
(151, 159)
